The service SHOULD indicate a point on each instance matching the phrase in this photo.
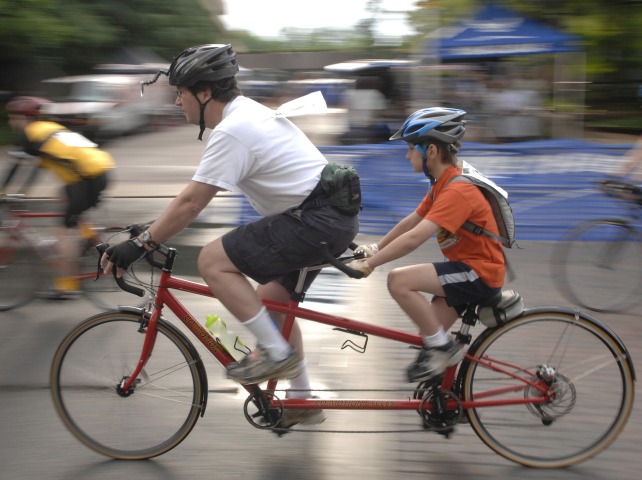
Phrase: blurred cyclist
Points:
(279, 170)
(78, 163)
(475, 268)
(630, 166)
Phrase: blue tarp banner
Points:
(498, 32)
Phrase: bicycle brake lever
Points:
(101, 247)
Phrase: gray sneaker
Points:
(300, 417)
(258, 367)
(434, 361)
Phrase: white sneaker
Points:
(434, 361)
(258, 367)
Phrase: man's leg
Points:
(300, 386)
(236, 293)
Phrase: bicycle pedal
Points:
(280, 431)
(446, 432)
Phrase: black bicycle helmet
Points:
(203, 63)
(443, 124)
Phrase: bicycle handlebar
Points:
(339, 264)
(134, 231)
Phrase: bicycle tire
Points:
(594, 386)
(104, 293)
(20, 270)
(597, 265)
(164, 406)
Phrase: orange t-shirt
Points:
(449, 206)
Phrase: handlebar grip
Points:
(338, 264)
(120, 281)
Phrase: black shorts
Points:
(81, 196)
(462, 285)
(278, 246)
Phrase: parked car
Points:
(103, 106)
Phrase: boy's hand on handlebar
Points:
(367, 250)
(122, 256)
(362, 266)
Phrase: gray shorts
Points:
(278, 246)
(462, 285)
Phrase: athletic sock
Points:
(437, 340)
(300, 386)
(268, 336)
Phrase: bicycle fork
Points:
(126, 386)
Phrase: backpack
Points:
(498, 200)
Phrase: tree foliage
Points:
(73, 35)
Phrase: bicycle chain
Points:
(282, 431)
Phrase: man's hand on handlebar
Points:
(122, 256)
(361, 265)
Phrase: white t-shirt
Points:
(269, 159)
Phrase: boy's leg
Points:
(407, 286)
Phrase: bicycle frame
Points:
(165, 298)
(86, 233)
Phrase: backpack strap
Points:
(477, 230)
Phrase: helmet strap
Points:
(201, 121)
(422, 148)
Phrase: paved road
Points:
(35, 445)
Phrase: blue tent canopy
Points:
(498, 32)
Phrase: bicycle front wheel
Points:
(161, 410)
(20, 270)
(590, 381)
(597, 266)
(105, 292)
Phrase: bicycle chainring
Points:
(266, 416)
(435, 414)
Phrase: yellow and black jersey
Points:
(69, 155)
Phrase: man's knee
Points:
(207, 259)
(212, 260)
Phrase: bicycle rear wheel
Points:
(598, 265)
(592, 386)
(104, 292)
(20, 270)
(166, 400)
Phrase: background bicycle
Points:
(27, 256)
(598, 263)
